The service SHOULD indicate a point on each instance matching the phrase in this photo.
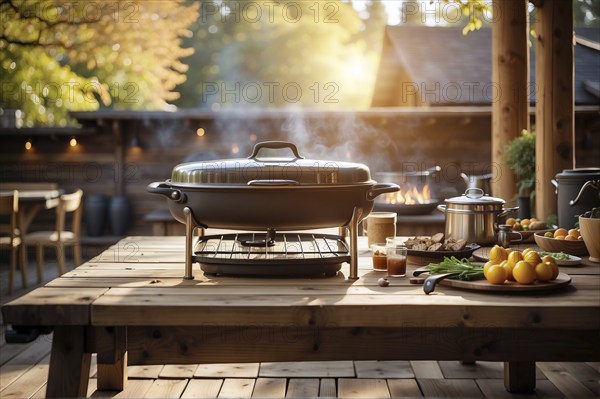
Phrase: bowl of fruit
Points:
(528, 227)
(562, 240)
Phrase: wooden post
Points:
(555, 133)
(510, 73)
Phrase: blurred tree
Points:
(62, 55)
(277, 54)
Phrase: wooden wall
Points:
(384, 139)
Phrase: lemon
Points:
(497, 254)
(514, 257)
(532, 257)
(524, 273)
(544, 272)
(496, 274)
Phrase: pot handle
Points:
(506, 211)
(275, 145)
(381, 188)
(589, 183)
(441, 208)
(167, 191)
(273, 182)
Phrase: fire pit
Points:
(415, 196)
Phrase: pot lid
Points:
(579, 174)
(270, 169)
(475, 196)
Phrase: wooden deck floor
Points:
(24, 369)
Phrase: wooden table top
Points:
(138, 282)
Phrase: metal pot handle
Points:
(441, 208)
(474, 192)
(167, 191)
(506, 211)
(275, 145)
(590, 183)
(381, 188)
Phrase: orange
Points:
(533, 220)
(560, 232)
(496, 274)
(574, 232)
(517, 226)
(544, 272)
(511, 221)
(497, 254)
(560, 238)
(525, 222)
(569, 237)
(532, 258)
(524, 273)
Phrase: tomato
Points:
(524, 273)
(496, 274)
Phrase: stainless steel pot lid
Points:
(475, 196)
(269, 169)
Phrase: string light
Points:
(28, 144)
(73, 141)
(200, 132)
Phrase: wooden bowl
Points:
(590, 231)
(571, 247)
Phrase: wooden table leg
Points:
(519, 376)
(111, 345)
(69, 363)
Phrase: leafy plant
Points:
(519, 154)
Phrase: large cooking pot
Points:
(267, 192)
(578, 191)
(474, 216)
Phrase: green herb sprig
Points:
(465, 269)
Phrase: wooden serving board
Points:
(562, 280)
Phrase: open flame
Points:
(409, 195)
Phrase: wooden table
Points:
(131, 306)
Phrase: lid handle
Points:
(275, 145)
(474, 192)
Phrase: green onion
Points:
(465, 269)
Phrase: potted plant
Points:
(589, 227)
(519, 154)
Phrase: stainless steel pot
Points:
(272, 192)
(474, 216)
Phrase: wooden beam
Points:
(555, 133)
(510, 72)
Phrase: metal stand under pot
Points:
(274, 254)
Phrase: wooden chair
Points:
(68, 203)
(9, 206)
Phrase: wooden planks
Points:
(307, 369)
(363, 388)
(202, 389)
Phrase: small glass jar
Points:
(396, 258)
(379, 257)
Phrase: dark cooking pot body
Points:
(282, 208)
(578, 191)
(259, 193)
